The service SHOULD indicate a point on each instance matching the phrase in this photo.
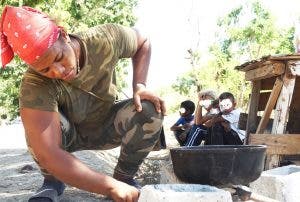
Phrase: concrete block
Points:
(282, 183)
(183, 192)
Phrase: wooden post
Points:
(283, 103)
(282, 112)
(253, 108)
(270, 105)
(271, 160)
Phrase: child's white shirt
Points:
(233, 118)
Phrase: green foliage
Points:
(74, 15)
(9, 90)
(188, 82)
(246, 33)
(185, 82)
(78, 15)
(173, 98)
(249, 32)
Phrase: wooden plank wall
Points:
(283, 144)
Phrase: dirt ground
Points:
(20, 176)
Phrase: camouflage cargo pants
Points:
(136, 133)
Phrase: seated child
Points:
(224, 127)
(185, 122)
(208, 101)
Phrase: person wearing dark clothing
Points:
(183, 125)
(207, 102)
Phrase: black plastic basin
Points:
(219, 164)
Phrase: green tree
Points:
(246, 33)
(9, 90)
(249, 32)
(74, 15)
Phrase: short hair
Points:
(188, 105)
(227, 95)
(209, 93)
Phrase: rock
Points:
(280, 183)
(150, 169)
(25, 169)
(183, 192)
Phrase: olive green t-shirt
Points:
(85, 100)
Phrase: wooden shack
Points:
(274, 108)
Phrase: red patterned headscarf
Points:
(26, 32)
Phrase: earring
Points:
(77, 66)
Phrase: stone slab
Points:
(183, 192)
(282, 183)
